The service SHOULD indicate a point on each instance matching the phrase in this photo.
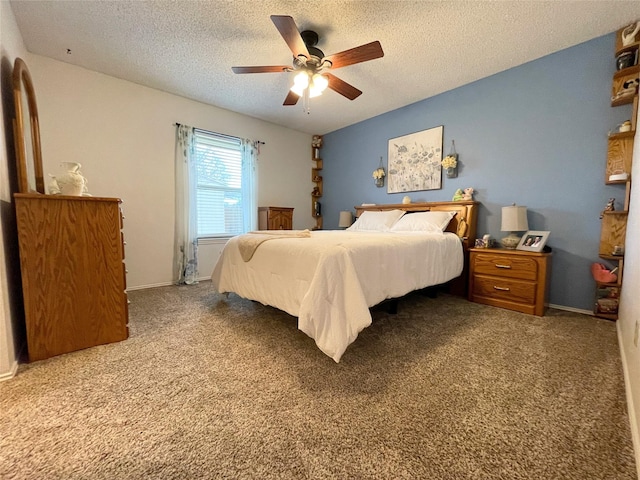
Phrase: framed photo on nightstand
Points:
(533, 241)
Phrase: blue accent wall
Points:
(534, 135)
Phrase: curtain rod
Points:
(222, 134)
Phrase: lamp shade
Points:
(514, 219)
(345, 219)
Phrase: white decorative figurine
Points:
(628, 35)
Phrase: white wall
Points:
(123, 134)
(629, 313)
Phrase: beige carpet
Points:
(214, 388)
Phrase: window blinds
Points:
(219, 196)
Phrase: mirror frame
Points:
(22, 84)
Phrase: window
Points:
(221, 187)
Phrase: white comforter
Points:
(330, 279)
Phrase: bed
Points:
(329, 279)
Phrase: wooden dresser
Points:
(513, 279)
(275, 218)
(73, 274)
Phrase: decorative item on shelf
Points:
(346, 219)
(406, 199)
(317, 208)
(450, 162)
(378, 175)
(629, 89)
(71, 182)
(602, 275)
(628, 35)
(316, 141)
(315, 192)
(619, 176)
(625, 60)
(609, 207)
(514, 219)
(618, 251)
(625, 126)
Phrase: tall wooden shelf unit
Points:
(619, 160)
(316, 178)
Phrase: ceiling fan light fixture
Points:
(309, 62)
(300, 83)
(319, 83)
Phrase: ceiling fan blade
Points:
(268, 69)
(342, 87)
(291, 99)
(360, 54)
(289, 31)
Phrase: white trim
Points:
(570, 309)
(142, 287)
(11, 373)
(163, 284)
(633, 424)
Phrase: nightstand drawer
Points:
(511, 290)
(521, 267)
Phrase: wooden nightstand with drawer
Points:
(275, 218)
(513, 279)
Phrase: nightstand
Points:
(512, 279)
(275, 218)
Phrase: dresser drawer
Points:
(521, 267)
(511, 290)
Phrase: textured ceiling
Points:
(188, 47)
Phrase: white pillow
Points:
(423, 222)
(377, 221)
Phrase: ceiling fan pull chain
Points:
(305, 102)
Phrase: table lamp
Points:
(514, 219)
(345, 219)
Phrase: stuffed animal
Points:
(459, 195)
(468, 194)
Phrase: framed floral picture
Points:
(414, 161)
(533, 241)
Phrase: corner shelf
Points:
(316, 179)
(619, 160)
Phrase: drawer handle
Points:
(502, 266)
(502, 289)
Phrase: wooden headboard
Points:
(463, 224)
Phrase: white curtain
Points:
(186, 241)
(250, 152)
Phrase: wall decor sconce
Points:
(450, 162)
(379, 174)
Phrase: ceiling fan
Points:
(312, 65)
